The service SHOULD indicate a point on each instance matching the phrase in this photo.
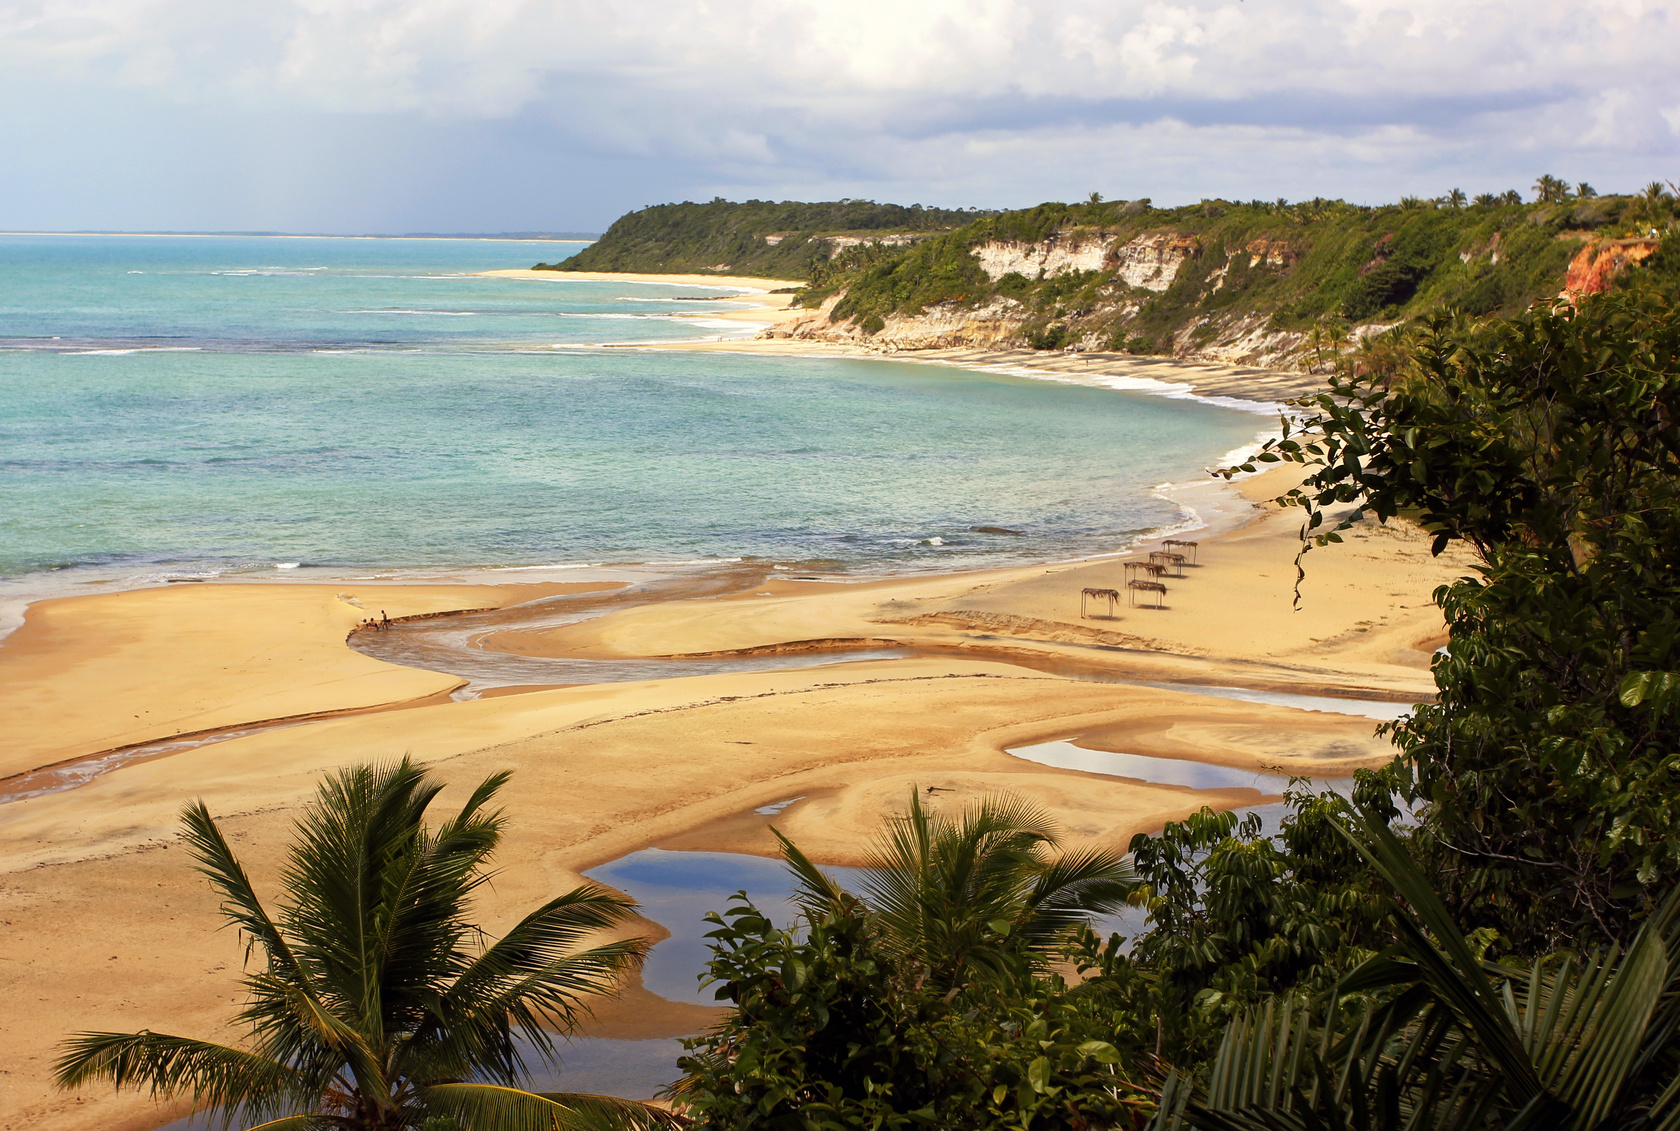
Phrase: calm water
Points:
(190, 406)
(176, 407)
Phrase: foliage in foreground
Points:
(1546, 770)
(1430, 1035)
(375, 1005)
(925, 1001)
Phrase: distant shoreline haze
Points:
(549, 237)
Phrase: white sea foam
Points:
(695, 561)
(287, 565)
(1151, 386)
(135, 349)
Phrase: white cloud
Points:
(933, 98)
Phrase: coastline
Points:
(111, 927)
(1236, 386)
(606, 769)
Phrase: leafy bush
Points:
(1051, 337)
(830, 1031)
(1545, 771)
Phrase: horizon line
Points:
(525, 237)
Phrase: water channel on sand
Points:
(454, 645)
(677, 889)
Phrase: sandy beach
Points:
(107, 925)
(763, 308)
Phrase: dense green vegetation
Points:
(926, 1000)
(1278, 266)
(727, 238)
(1319, 265)
(1484, 936)
(378, 1005)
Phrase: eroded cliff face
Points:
(1054, 256)
(1145, 265)
(996, 325)
(1597, 263)
(1150, 261)
(1153, 261)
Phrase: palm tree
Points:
(1573, 1043)
(1585, 191)
(974, 893)
(1656, 202)
(377, 1003)
(1486, 200)
(1456, 199)
(1551, 190)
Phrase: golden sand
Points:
(107, 926)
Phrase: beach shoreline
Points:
(607, 769)
(111, 927)
(1243, 387)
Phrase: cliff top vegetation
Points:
(1192, 280)
(1127, 276)
(782, 240)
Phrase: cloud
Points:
(918, 97)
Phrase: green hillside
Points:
(786, 240)
(1292, 266)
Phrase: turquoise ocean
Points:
(175, 407)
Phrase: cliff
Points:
(1243, 283)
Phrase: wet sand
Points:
(107, 925)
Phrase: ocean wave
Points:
(695, 561)
(440, 313)
(134, 349)
(1150, 386)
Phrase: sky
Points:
(357, 116)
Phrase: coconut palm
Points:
(1456, 199)
(1486, 200)
(974, 893)
(376, 1003)
(1585, 191)
(1572, 1043)
(1551, 190)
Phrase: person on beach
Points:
(384, 621)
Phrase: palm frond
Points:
(472, 1030)
(1070, 889)
(1445, 961)
(297, 1123)
(510, 1109)
(211, 1075)
(240, 905)
(817, 892)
